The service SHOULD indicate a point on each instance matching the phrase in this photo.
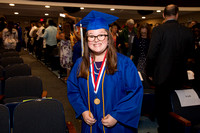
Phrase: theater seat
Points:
(20, 88)
(4, 119)
(17, 70)
(10, 54)
(39, 116)
(148, 102)
(184, 119)
(10, 61)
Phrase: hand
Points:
(126, 44)
(151, 78)
(88, 118)
(109, 121)
(131, 57)
(58, 28)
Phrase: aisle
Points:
(55, 87)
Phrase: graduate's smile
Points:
(96, 45)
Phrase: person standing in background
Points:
(170, 47)
(140, 47)
(65, 49)
(3, 24)
(32, 35)
(39, 40)
(10, 36)
(51, 43)
(19, 30)
(114, 33)
(127, 37)
(75, 38)
(26, 37)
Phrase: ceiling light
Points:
(62, 15)
(158, 10)
(47, 6)
(112, 9)
(143, 17)
(16, 13)
(11, 4)
(46, 14)
(81, 8)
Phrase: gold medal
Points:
(96, 101)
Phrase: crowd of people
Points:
(46, 41)
(163, 53)
(43, 40)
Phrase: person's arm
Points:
(133, 48)
(77, 34)
(127, 110)
(69, 16)
(31, 32)
(58, 33)
(191, 48)
(73, 92)
(153, 52)
(45, 34)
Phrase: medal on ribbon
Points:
(96, 83)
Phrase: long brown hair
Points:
(147, 26)
(111, 63)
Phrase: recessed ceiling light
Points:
(112, 9)
(62, 15)
(143, 17)
(46, 14)
(47, 6)
(11, 4)
(158, 10)
(81, 8)
(16, 13)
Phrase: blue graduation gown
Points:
(123, 94)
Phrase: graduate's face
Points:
(97, 41)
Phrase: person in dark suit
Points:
(170, 47)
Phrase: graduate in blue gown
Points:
(104, 87)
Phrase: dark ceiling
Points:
(180, 3)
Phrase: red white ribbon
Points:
(102, 69)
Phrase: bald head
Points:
(171, 10)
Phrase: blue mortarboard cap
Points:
(97, 20)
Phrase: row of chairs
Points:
(35, 116)
(10, 57)
(8, 53)
(19, 69)
(10, 61)
(39, 115)
(12, 71)
(184, 119)
(19, 88)
(181, 119)
(11, 64)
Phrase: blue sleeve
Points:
(127, 110)
(73, 91)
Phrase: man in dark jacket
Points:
(170, 47)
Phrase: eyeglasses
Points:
(100, 37)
